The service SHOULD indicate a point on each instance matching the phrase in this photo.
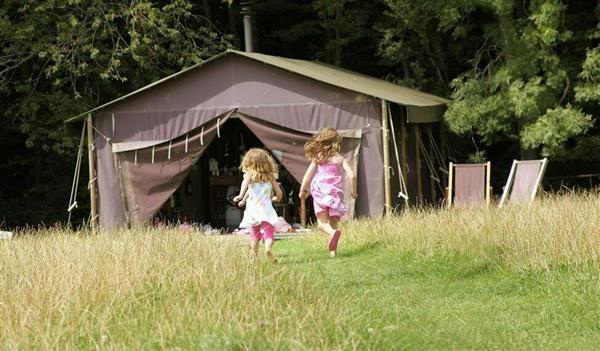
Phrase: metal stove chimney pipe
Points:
(248, 39)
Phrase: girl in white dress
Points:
(260, 174)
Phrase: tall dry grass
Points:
(554, 230)
(160, 289)
(151, 289)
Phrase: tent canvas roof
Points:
(415, 100)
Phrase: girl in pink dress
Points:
(260, 173)
(326, 182)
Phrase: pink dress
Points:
(327, 191)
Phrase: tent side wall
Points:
(177, 106)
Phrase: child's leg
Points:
(323, 222)
(333, 242)
(269, 231)
(255, 235)
(333, 221)
(329, 225)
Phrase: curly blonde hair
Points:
(259, 165)
(323, 145)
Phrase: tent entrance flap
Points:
(149, 176)
(181, 168)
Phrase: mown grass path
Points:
(410, 301)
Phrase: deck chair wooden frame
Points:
(451, 175)
(511, 178)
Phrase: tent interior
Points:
(205, 195)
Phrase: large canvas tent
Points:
(146, 142)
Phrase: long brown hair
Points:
(323, 145)
(259, 166)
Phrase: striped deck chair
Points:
(523, 181)
(468, 185)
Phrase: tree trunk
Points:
(231, 12)
(37, 167)
(207, 10)
(337, 59)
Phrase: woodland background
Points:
(524, 76)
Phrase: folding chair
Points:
(523, 181)
(468, 185)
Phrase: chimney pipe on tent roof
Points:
(248, 38)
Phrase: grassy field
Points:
(516, 278)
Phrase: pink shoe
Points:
(333, 242)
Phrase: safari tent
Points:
(151, 144)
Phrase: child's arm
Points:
(243, 188)
(278, 192)
(308, 176)
(352, 176)
(243, 200)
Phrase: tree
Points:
(521, 81)
(338, 32)
(59, 58)
(424, 42)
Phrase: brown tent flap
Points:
(288, 147)
(150, 175)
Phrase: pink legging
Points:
(267, 229)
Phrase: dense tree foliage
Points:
(522, 79)
(59, 58)
(523, 75)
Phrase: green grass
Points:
(408, 301)
(517, 278)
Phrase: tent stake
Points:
(386, 156)
(92, 171)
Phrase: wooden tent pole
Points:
(417, 131)
(92, 171)
(386, 156)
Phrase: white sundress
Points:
(258, 206)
